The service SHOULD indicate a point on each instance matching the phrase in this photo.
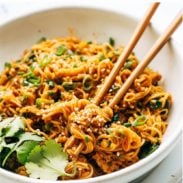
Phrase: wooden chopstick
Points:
(162, 40)
(128, 49)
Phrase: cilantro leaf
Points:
(12, 136)
(24, 150)
(29, 136)
(47, 161)
(147, 149)
(26, 136)
(55, 156)
(10, 126)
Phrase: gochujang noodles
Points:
(47, 111)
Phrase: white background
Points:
(170, 170)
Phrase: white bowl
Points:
(100, 24)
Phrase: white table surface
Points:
(170, 170)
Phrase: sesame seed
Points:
(118, 154)
(80, 169)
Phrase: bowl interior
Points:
(93, 24)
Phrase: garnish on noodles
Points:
(50, 128)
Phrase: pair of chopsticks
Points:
(161, 41)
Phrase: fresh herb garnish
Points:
(114, 88)
(111, 41)
(87, 139)
(101, 57)
(109, 143)
(167, 104)
(31, 80)
(42, 39)
(127, 124)
(45, 61)
(155, 104)
(147, 149)
(68, 85)
(115, 117)
(89, 42)
(12, 136)
(32, 67)
(55, 95)
(139, 121)
(75, 65)
(47, 127)
(38, 102)
(50, 83)
(60, 50)
(24, 150)
(82, 59)
(7, 64)
(87, 83)
(47, 161)
(128, 64)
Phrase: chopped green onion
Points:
(45, 61)
(25, 98)
(31, 80)
(69, 85)
(128, 64)
(167, 105)
(50, 83)
(101, 57)
(60, 50)
(127, 124)
(32, 67)
(50, 93)
(75, 65)
(155, 104)
(111, 41)
(87, 83)
(83, 59)
(89, 42)
(141, 120)
(108, 131)
(114, 88)
(32, 57)
(109, 143)
(87, 139)
(115, 117)
(38, 102)
(147, 149)
(48, 127)
(42, 39)
(55, 95)
(7, 64)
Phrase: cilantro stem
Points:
(10, 152)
